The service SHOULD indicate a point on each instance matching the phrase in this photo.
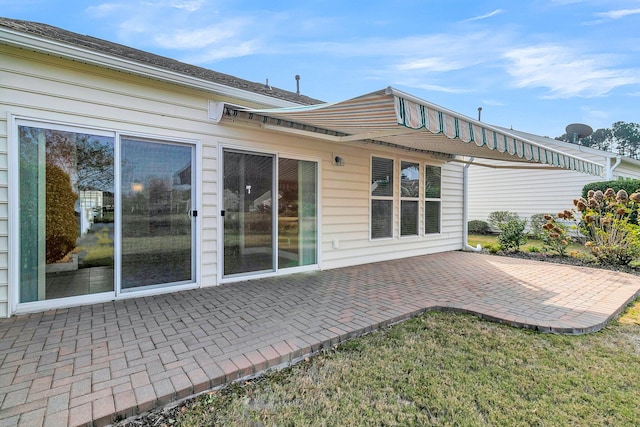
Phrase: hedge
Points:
(629, 185)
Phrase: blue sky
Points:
(533, 65)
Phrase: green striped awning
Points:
(396, 118)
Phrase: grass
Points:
(446, 369)
(486, 240)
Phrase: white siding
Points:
(45, 88)
(54, 90)
(345, 196)
(528, 192)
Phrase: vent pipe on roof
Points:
(298, 84)
(266, 85)
(479, 113)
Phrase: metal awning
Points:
(395, 118)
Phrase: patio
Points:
(93, 364)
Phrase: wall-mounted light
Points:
(338, 160)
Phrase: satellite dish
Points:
(577, 131)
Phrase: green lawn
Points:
(491, 239)
(446, 369)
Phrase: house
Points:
(126, 174)
(498, 186)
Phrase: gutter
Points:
(465, 209)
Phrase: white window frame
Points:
(415, 199)
(17, 307)
(390, 198)
(426, 199)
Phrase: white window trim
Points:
(431, 199)
(417, 199)
(388, 198)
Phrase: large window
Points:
(381, 198)
(432, 199)
(409, 198)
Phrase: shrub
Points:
(555, 234)
(535, 226)
(512, 234)
(478, 227)
(612, 236)
(630, 186)
(498, 218)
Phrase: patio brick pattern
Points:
(88, 365)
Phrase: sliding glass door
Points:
(263, 233)
(297, 213)
(248, 215)
(66, 217)
(157, 218)
(76, 228)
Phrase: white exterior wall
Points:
(528, 192)
(41, 87)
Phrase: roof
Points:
(388, 117)
(124, 52)
(394, 118)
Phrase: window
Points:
(432, 198)
(409, 198)
(381, 198)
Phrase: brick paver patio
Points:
(94, 363)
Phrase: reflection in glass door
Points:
(157, 218)
(66, 182)
(247, 206)
(297, 213)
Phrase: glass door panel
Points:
(247, 206)
(157, 220)
(66, 213)
(297, 213)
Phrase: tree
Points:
(622, 138)
(61, 224)
(626, 138)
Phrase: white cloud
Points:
(217, 53)
(200, 37)
(618, 14)
(190, 6)
(566, 73)
(433, 64)
(104, 9)
(493, 103)
(485, 16)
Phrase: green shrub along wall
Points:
(628, 185)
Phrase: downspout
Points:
(465, 209)
(610, 169)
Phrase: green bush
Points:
(629, 185)
(512, 234)
(478, 227)
(498, 218)
(536, 222)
